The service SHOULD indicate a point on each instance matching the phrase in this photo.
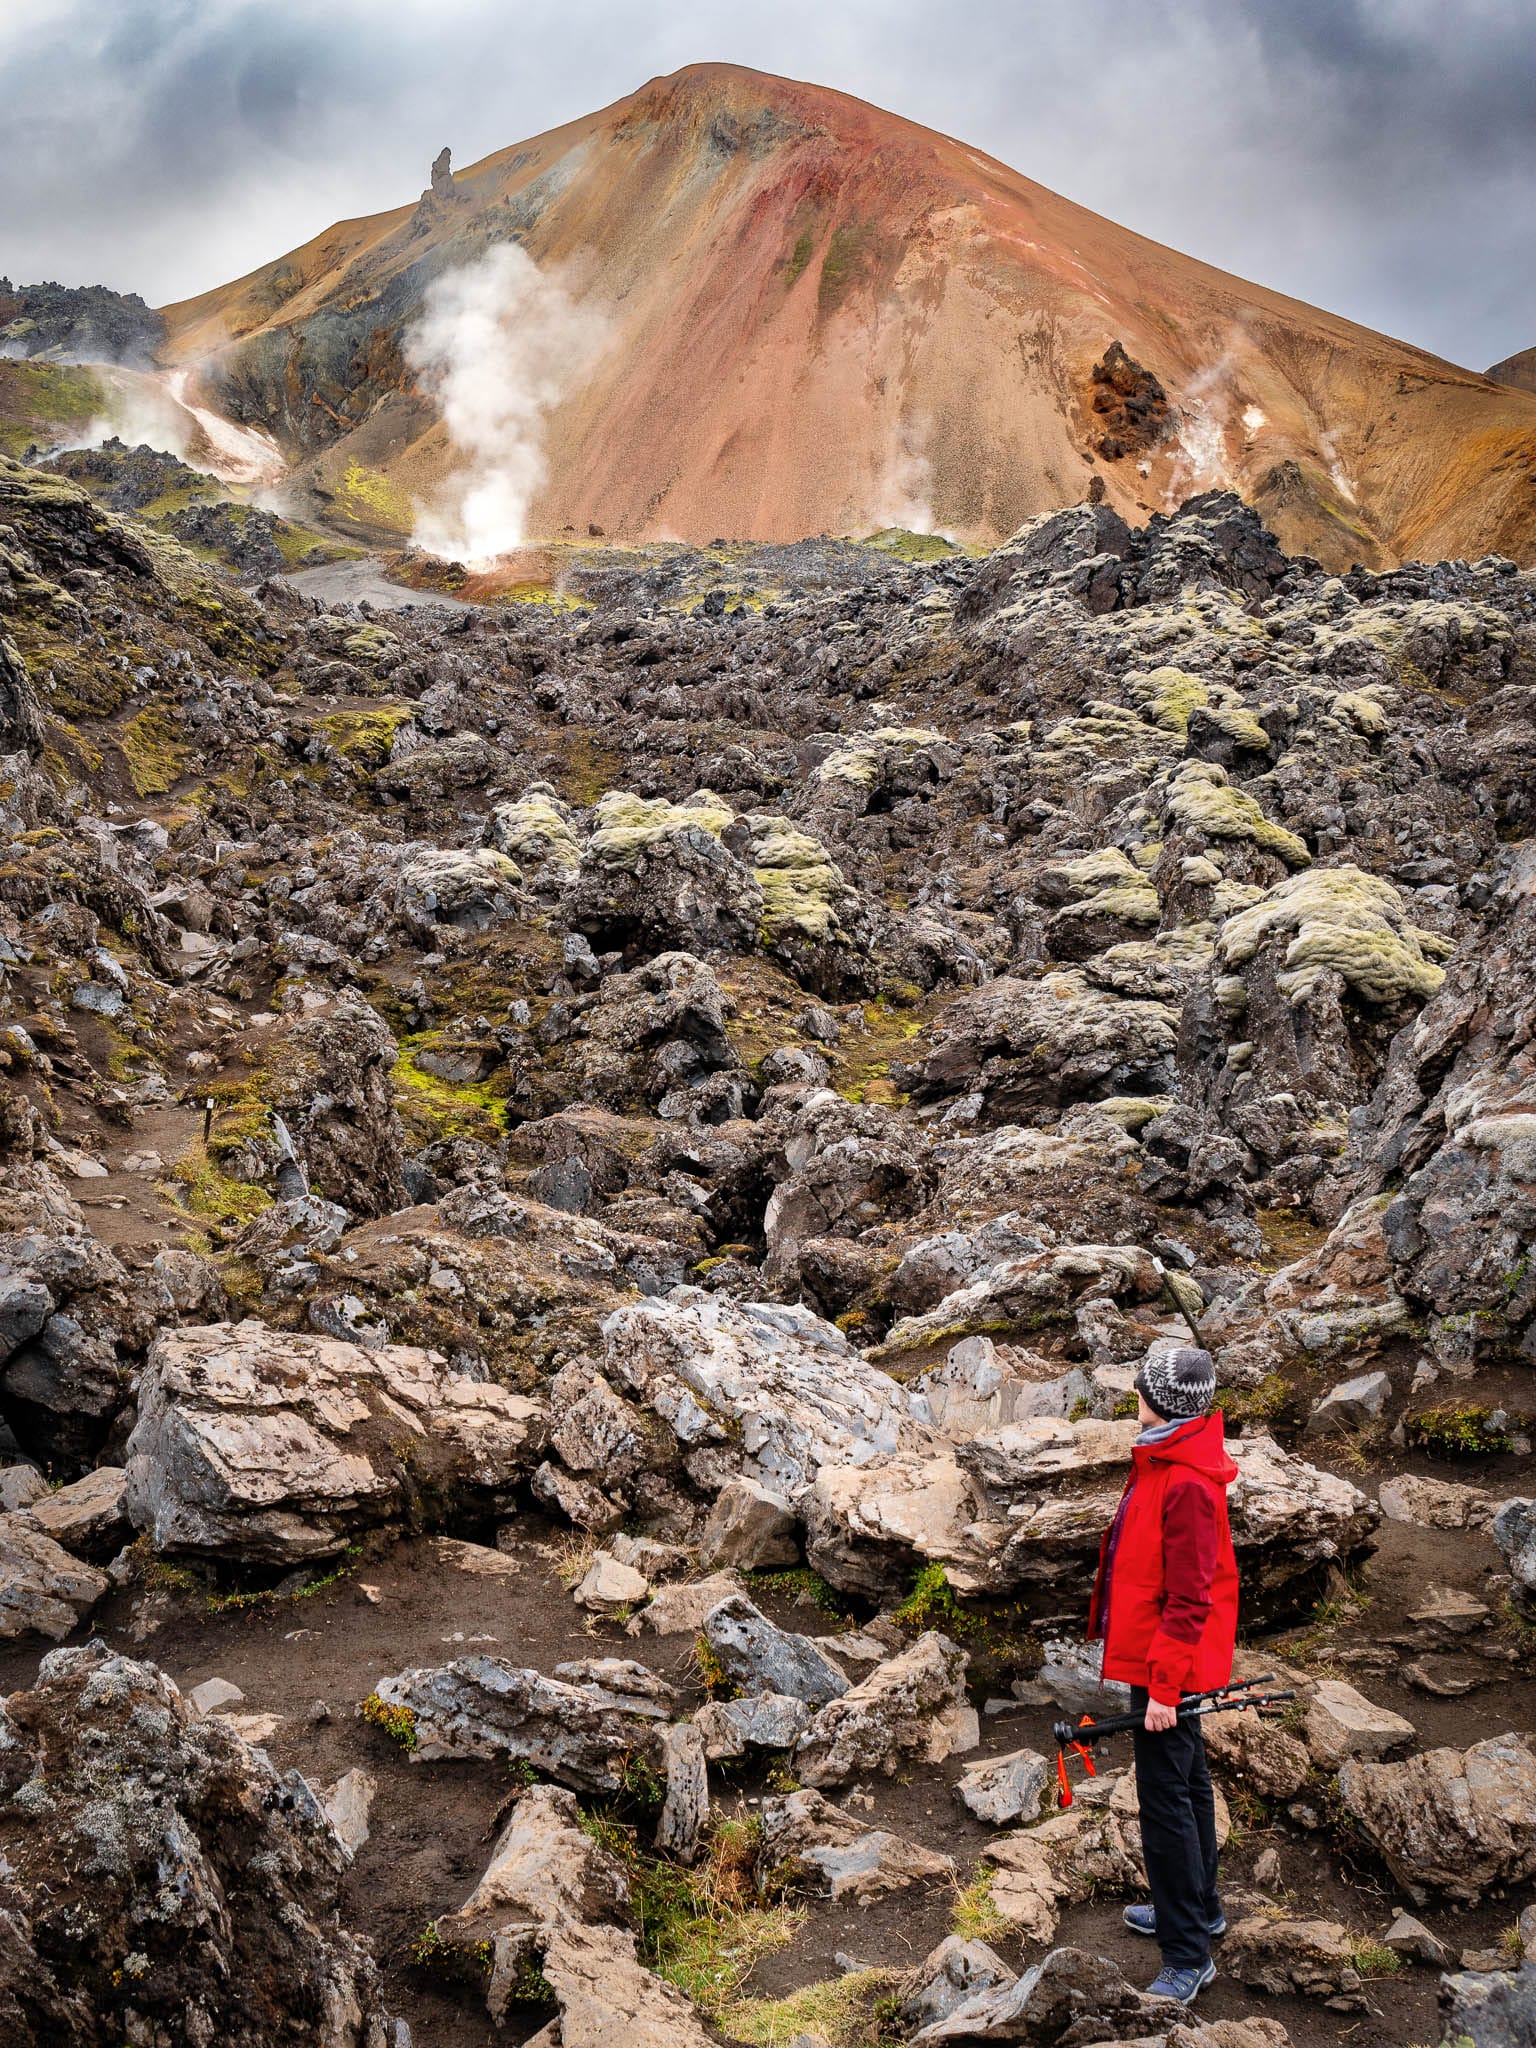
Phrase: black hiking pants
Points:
(1178, 1836)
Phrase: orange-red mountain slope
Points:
(825, 318)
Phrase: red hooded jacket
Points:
(1165, 1601)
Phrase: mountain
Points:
(1518, 370)
(821, 317)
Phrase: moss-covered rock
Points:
(1340, 920)
(1202, 800)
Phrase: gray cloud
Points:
(1377, 157)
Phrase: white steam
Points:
(903, 491)
(152, 409)
(499, 344)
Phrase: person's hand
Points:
(1160, 1717)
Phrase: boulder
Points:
(466, 889)
(1341, 1722)
(822, 1848)
(580, 1734)
(259, 1445)
(763, 1659)
(870, 1526)
(911, 1709)
(1409, 1937)
(1263, 1756)
(20, 1486)
(1026, 1889)
(956, 1971)
(1005, 1789)
(43, 1589)
(749, 1528)
(607, 1995)
(89, 1516)
(1067, 1988)
(346, 1806)
(1451, 1820)
(1073, 1677)
(767, 1720)
(761, 1388)
(1352, 1404)
(610, 1587)
(212, 1881)
(1025, 1292)
(680, 1610)
(1312, 1957)
(1434, 1503)
(1513, 1528)
(685, 1810)
(545, 1897)
(1030, 1048)
(1026, 1506)
(213, 1695)
(1490, 2008)
(329, 1074)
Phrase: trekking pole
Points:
(1220, 1699)
(1174, 1296)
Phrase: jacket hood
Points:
(1200, 1443)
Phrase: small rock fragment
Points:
(1005, 1789)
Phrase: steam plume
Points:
(499, 344)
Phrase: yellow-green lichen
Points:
(1202, 800)
(860, 761)
(799, 883)
(363, 737)
(1338, 920)
(536, 828)
(627, 826)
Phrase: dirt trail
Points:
(364, 582)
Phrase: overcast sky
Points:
(1377, 157)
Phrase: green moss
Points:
(849, 257)
(536, 829)
(1340, 920)
(800, 885)
(363, 737)
(1202, 800)
(799, 257)
(469, 1963)
(433, 1109)
(202, 1191)
(912, 547)
(221, 1603)
(713, 1676)
(154, 750)
(997, 1635)
(859, 762)
(398, 1723)
(1274, 1401)
(627, 826)
(703, 1929)
(976, 1916)
(366, 497)
(370, 643)
(39, 399)
(796, 1584)
(1452, 1432)
(1375, 1959)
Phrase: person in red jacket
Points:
(1165, 1605)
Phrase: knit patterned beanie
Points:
(1179, 1383)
